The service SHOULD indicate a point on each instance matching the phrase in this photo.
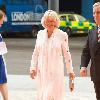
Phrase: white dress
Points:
(47, 58)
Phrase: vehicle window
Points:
(44, 2)
(63, 18)
(81, 18)
(20, 1)
(71, 18)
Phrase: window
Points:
(81, 18)
(63, 18)
(71, 18)
(45, 2)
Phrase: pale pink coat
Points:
(48, 59)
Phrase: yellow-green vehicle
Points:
(74, 23)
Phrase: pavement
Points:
(22, 87)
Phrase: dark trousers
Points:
(97, 89)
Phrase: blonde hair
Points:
(52, 14)
(96, 4)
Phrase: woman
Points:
(47, 59)
(3, 50)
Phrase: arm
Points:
(85, 58)
(68, 61)
(67, 55)
(34, 62)
(3, 48)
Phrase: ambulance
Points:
(74, 24)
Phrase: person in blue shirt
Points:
(3, 71)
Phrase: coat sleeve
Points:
(85, 56)
(67, 55)
(34, 60)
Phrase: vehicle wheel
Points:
(34, 32)
(68, 31)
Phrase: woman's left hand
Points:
(71, 81)
(71, 75)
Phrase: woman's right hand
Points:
(71, 81)
(33, 74)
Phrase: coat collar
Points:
(53, 34)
